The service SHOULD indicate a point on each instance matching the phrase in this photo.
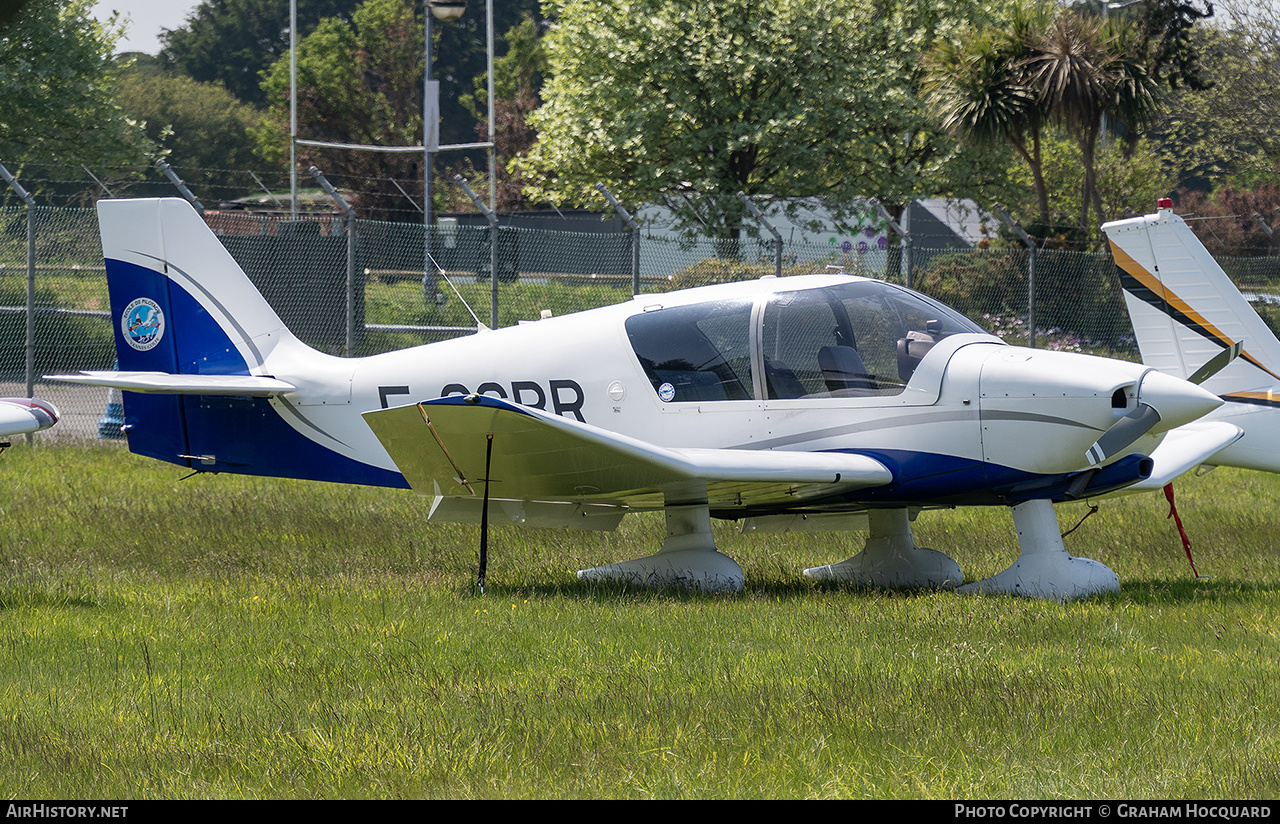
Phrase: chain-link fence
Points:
(306, 268)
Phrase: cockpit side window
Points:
(696, 353)
(798, 327)
(862, 338)
(920, 323)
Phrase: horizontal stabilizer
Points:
(440, 447)
(169, 384)
(1185, 448)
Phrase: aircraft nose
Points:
(1177, 401)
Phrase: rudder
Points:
(167, 320)
(1184, 308)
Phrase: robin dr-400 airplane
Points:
(808, 402)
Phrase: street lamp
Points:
(446, 11)
(1107, 7)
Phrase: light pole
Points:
(446, 11)
(1107, 7)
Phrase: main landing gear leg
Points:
(688, 558)
(892, 559)
(1044, 569)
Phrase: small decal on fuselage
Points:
(142, 324)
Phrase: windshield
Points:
(860, 338)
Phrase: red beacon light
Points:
(1164, 203)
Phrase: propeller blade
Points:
(1122, 433)
(1217, 362)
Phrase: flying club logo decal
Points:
(142, 324)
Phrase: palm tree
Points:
(981, 93)
(1083, 69)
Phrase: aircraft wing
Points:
(19, 415)
(440, 447)
(1185, 448)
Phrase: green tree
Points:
(1084, 70)
(1128, 176)
(237, 42)
(1166, 32)
(905, 152)
(461, 51)
(233, 42)
(358, 83)
(517, 83)
(690, 104)
(1048, 66)
(9, 12)
(57, 90)
(202, 128)
(1229, 133)
(981, 91)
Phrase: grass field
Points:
(255, 638)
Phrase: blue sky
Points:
(146, 19)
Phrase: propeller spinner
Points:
(1162, 399)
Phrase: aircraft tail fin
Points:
(180, 305)
(212, 378)
(166, 269)
(1184, 308)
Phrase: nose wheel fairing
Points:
(1044, 568)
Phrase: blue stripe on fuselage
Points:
(930, 479)
(247, 436)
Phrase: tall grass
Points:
(245, 637)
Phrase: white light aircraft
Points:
(21, 415)
(1187, 312)
(810, 402)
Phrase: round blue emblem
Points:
(667, 393)
(142, 324)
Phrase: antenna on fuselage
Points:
(445, 275)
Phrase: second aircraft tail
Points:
(1184, 308)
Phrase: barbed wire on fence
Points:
(399, 199)
(302, 269)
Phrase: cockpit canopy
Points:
(853, 339)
